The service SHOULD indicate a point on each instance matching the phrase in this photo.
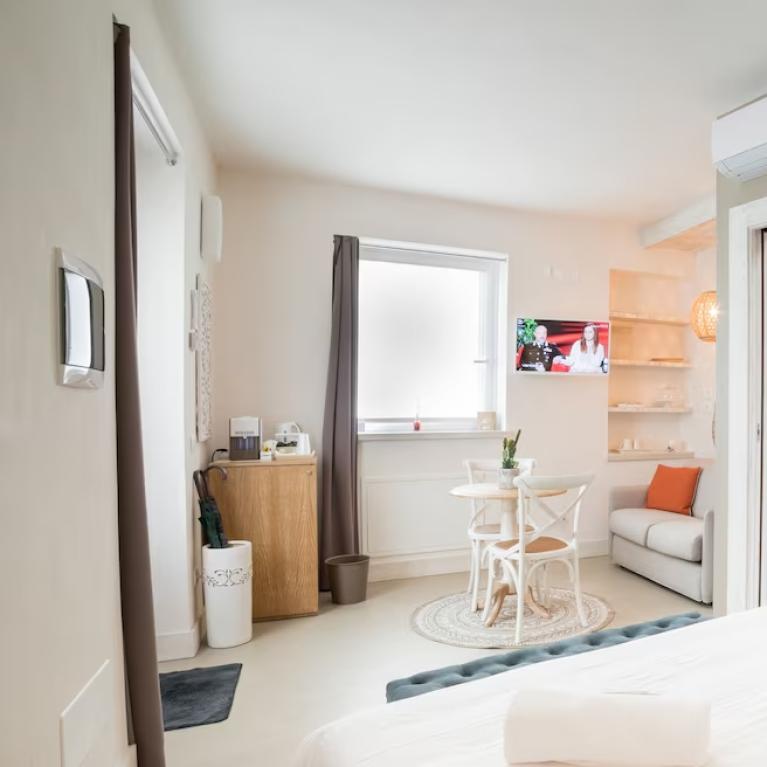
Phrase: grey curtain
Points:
(338, 527)
(142, 681)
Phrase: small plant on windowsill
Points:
(509, 465)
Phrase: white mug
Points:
(628, 444)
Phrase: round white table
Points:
(488, 491)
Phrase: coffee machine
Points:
(244, 438)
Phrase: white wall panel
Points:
(412, 514)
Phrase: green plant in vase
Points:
(509, 464)
(526, 331)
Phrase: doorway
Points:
(161, 314)
(760, 533)
(745, 501)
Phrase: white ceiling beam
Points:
(701, 212)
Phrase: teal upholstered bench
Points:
(427, 681)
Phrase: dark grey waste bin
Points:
(348, 576)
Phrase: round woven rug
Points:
(450, 621)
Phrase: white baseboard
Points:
(183, 644)
(129, 758)
(442, 562)
(594, 548)
(416, 565)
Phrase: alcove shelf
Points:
(650, 345)
(648, 364)
(638, 273)
(649, 410)
(653, 319)
(649, 455)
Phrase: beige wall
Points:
(273, 305)
(729, 194)
(60, 598)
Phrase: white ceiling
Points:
(594, 106)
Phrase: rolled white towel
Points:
(606, 728)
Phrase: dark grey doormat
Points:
(198, 696)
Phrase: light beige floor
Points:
(301, 673)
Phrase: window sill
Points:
(428, 434)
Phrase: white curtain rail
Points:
(148, 106)
(171, 156)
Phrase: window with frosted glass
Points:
(424, 337)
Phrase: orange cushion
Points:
(673, 488)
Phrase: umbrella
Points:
(210, 516)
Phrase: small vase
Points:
(506, 478)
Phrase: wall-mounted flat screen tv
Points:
(562, 347)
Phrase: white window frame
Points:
(493, 323)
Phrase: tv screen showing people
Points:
(562, 346)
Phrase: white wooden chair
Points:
(481, 531)
(537, 547)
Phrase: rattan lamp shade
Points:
(704, 316)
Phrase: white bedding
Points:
(723, 661)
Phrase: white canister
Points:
(227, 577)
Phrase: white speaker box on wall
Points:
(211, 228)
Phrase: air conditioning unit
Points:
(739, 141)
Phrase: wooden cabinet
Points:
(273, 504)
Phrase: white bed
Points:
(723, 661)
